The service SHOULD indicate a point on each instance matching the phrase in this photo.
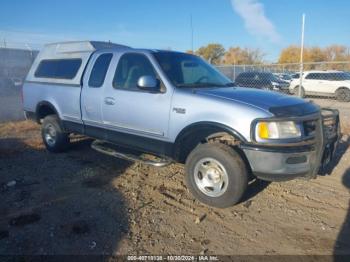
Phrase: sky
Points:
(269, 25)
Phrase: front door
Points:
(129, 112)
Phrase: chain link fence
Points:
(14, 66)
(320, 80)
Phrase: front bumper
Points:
(279, 163)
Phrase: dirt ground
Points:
(83, 202)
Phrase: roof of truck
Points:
(79, 47)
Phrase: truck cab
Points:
(178, 107)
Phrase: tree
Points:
(291, 54)
(337, 53)
(212, 53)
(239, 56)
(315, 54)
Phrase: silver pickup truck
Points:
(178, 108)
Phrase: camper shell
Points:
(79, 50)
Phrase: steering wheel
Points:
(201, 79)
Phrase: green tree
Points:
(213, 53)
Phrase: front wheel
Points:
(54, 138)
(216, 175)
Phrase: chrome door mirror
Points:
(148, 83)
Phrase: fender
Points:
(184, 142)
(205, 125)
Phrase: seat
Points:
(134, 74)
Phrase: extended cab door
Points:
(133, 116)
(92, 92)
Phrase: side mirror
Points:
(149, 83)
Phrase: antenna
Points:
(191, 22)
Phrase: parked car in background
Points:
(261, 80)
(284, 77)
(295, 76)
(323, 83)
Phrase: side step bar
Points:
(102, 147)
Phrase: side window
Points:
(326, 76)
(312, 76)
(130, 68)
(58, 68)
(99, 70)
(334, 77)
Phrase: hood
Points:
(279, 104)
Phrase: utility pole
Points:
(301, 56)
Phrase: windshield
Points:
(186, 70)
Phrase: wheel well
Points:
(192, 137)
(43, 110)
(342, 88)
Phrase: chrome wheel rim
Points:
(50, 135)
(211, 177)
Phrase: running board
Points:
(102, 147)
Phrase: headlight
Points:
(275, 83)
(277, 130)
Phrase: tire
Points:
(54, 138)
(343, 95)
(296, 91)
(219, 162)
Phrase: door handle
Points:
(109, 101)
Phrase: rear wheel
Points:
(343, 95)
(54, 138)
(216, 175)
